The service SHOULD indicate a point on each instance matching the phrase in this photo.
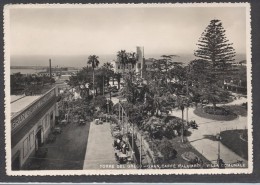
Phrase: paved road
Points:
(203, 138)
(67, 152)
(99, 148)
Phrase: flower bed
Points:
(220, 113)
(217, 111)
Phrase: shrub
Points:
(217, 111)
(191, 157)
(167, 150)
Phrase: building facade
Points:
(31, 126)
(138, 67)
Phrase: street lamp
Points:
(109, 88)
(187, 109)
(182, 109)
(219, 160)
(108, 106)
(87, 88)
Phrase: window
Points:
(139, 65)
(46, 122)
(25, 147)
(51, 117)
(31, 139)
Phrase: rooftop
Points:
(16, 97)
(18, 103)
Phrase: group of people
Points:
(121, 145)
(121, 149)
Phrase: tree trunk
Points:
(182, 126)
(88, 92)
(93, 83)
(118, 83)
(214, 107)
(103, 89)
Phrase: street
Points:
(66, 152)
(99, 149)
(203, 138)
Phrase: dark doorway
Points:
(38, 139)
(52, 120)
(16, 162)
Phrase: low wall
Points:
(146, 147)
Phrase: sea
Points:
(35, 63)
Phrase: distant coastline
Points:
(37, 67)
(41, 62)
(29, 67)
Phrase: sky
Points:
(101, 31)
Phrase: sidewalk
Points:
(201, 139)
(99, 148)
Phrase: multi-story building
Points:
(32, 118)
(138, 67)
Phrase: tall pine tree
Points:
(216, 50)
(214, 47)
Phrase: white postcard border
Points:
(124, 171)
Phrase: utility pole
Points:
(119, 112)
(219, 149)
(187, 94)
(108, 107)
(103, 86)
(123, 124)
(132, 137)
(141, 152)
(126, 121)
(50, 70)
(182, 109)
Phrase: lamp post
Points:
(220, 162)
(182, 109)
(218, 137)
(109, 88)
(132, 137)
(87, 88)
(103, 86)
(187, 110)
(187, 92)
(107, 109)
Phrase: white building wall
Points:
(30, 137)
(140, 59)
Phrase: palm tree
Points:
(132, 59)
(181, 104)
(123, 58)
(108, 71)
(118, 78)
(93, 60)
